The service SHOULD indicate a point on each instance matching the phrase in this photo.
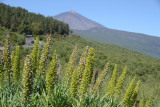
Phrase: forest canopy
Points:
(20, 20)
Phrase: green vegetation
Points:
(22, 21)
(7, 60)
(27, 79)
(41, 76)
(87, 73)
(1, 73)
(120, 83)
(34, 55)
(16, 64)
(16, 38)
(112, 82)
(101, 78)
(43, 59)
(71, 64)
(51, 74)
(135, 93)
(145, 68)
(78, 73)
(129, 93)
(51, 91)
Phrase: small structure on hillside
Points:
(29, 40)
(1, 48)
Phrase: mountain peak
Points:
(76, 20)
(72, 11)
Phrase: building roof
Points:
(28, 35)
(1, 48)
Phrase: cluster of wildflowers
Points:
(101, 78)
(16, 65)
(7, 59)
(27, 79)
(44, 56)
(71, 64)
(78, 72)
(51, 74)
(120, 82)
(129, 92)
(112, 82)
(34, 54)
(88, 72)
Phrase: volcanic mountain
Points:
(77, 21)
(89, 29)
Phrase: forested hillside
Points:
(20, 20)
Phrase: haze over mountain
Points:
(77, 21)
(89, 29)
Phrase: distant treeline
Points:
(20, 20)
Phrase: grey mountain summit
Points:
(77, 21)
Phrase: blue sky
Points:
(141, 16)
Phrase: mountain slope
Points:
(146, 44)
(77, 21)
(86, 28)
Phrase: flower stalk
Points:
(27, 80)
